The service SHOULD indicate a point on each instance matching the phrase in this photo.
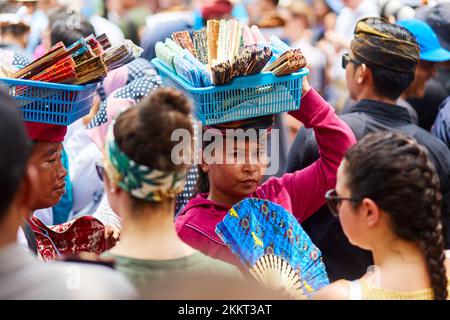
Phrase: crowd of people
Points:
(364, 161)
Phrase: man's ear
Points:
(363, 74)
(27, 193)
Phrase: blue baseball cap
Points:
(430, 48)
(335, 5)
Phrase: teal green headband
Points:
(140, 181)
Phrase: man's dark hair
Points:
(63, 30)
(390, 84)
(14, 148)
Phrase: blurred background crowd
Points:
(321, 28)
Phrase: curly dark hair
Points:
(395, 172)
(68, 27)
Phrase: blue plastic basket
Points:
(243, 98)
(51, 102)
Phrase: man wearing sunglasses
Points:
(379, 66)
(424, 96)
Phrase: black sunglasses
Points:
(346, 60)
(100, 169)
(334, 201)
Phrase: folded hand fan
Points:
(258, 36)
(205, 76)
(201, 45)
(187, 71)
(104, 41)
(278, 46)
(270, 242)
(175, 47)
(164, 54)
(121, 54)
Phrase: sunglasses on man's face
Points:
(346, 60)
(334, 201)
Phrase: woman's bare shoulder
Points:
(447, 263)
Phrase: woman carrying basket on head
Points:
(301, 192)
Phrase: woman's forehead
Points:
(243, 144)
(43, 148)
(341, 178)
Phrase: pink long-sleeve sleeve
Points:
(303, 191)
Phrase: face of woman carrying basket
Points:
(236, 169)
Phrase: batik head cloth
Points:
(139, 180)
(377, 48)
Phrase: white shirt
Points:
(102, 25)
(347, 18)
(106, 215)
(345, 26)
(83, 153)
(316, 61)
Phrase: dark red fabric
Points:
(45, 132)
(216, 9)
(84, 234)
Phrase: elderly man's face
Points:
(46, 157)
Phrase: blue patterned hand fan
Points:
(270, 242)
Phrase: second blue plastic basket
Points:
(50, 102)
(243, 98)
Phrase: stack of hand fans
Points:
(273, 246)
(104, 41)
(183, 39)
(183, 62)
(87, 60)
(290, 61)
(121, 54)
(223, 50)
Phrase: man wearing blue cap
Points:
(431, 52)
(438, 18)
